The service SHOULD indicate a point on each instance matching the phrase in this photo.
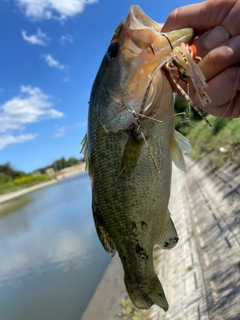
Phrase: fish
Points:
(129, 148)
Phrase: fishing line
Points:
(229, 105)
(231, 101)
(189, 106)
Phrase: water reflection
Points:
(12, 205)
(51, 259)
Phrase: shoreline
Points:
(105, 303)
(18, 193)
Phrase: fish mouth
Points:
(142, 50)
(142, 36)
(140, 29)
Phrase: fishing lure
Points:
(182, 61)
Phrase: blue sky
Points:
(50, 54)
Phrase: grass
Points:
(189, 268)
(225, 134)
(129, 312)
(23, 182)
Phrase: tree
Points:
(4, 178)
(72, 161)
(6, 169)
(7, 173)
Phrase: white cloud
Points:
(7, 139)
(66, 39)
(31, 106)
(53, 63)
(39, 38)
(61, 131)
(47, 9)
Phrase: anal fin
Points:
(168, 236)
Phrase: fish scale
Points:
(134, 198)
(129, 158)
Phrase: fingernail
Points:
(215, 37)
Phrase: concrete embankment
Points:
(201, 275)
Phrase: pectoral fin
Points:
(179, 145)
(101, 229)
(168, 236)
(183, 142)
(130, 156)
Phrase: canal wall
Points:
(201, 275)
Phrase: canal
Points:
(51, 259)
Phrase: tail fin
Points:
(143, 296)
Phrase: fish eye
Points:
(113, 50)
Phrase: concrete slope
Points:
(201, 275)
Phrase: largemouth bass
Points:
(129, 148)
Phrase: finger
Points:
(220, 58)
(206, 15)
(187, 16)
(210, 40)
(223, 89)
(228, 110)
(231, 21)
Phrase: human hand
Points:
(217, 23)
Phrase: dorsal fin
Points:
(84, 151)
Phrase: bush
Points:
(224, 133)
(26, 180)
(4, 178)
(23, 182)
